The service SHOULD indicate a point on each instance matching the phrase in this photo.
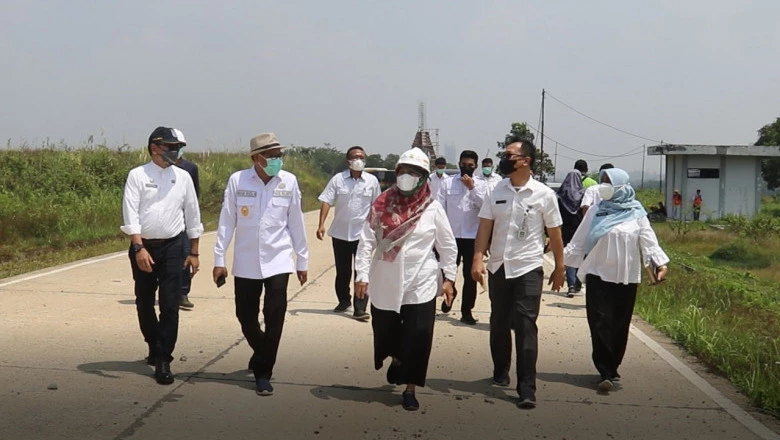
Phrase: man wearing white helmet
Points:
(396, 268)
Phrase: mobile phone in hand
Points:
(221, 281)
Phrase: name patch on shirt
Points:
(246, 193)
(500, 202)
(282, 193)
(151, 185)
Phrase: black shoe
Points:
(393, 373)
(605, 386)
(342, 307)
(263, 387)
(162, 373)
(527, 403)
(361, 316)
(409, 402)
(468, 319)
(501, 380)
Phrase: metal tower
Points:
(422, 139)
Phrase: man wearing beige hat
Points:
(262, 208)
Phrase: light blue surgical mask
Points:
(181, 153)
(273, 166)
(487, 171)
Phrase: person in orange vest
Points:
(676, 204)
(697, 201)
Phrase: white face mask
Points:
(357, 164)
(407, 182)
(606, 191)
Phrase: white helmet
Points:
(415, 157)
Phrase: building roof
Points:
(727, 150)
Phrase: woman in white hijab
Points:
(610, 247)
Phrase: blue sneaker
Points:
(264, 387)
(409, 402)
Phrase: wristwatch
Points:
(136, 247)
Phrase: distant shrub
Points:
(740, 254)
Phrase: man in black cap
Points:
(160, 205)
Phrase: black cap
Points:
(167, 135)
(440, 161)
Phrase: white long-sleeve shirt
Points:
(462, 205)
(352, 199)
(619, 255)
(159, 203)
(267, 221)
(491, 180)
(414, 276)
(435, 181)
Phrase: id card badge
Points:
(522, 231)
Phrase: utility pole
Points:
(642, 184)
(555, 162)
(541, 144)
(660, 173)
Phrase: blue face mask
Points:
(181, 153)
(274, 166)
(487, 171)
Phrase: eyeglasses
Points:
(509, 156)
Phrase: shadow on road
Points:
(383, 394)
(481, 387)
(587, 381)
(325, 312)
(104, 369)
(484, 326)
(566, 306)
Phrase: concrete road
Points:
(71, 367)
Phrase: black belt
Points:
(155, 242)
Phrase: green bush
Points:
(61, 198)
(740, 254)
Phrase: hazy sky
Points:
(353, 72)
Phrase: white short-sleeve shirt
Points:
(519, 216)
(351, 199)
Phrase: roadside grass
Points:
(717, 303)
(59, 205)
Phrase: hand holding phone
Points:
(221, 281)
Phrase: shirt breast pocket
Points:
(276, 215)
(246, 211)
(454, 191)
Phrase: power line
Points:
(602, 123)
(633, 152)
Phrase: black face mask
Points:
(506, 166)
(467, 171)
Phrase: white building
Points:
(729, 177)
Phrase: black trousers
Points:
(407, 336)
(514, 304)
(609, 307)
(160, 334)
(265, 344)
(186, 280)
(344, 254)
(469, 290)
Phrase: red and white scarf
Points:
(393, 217)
